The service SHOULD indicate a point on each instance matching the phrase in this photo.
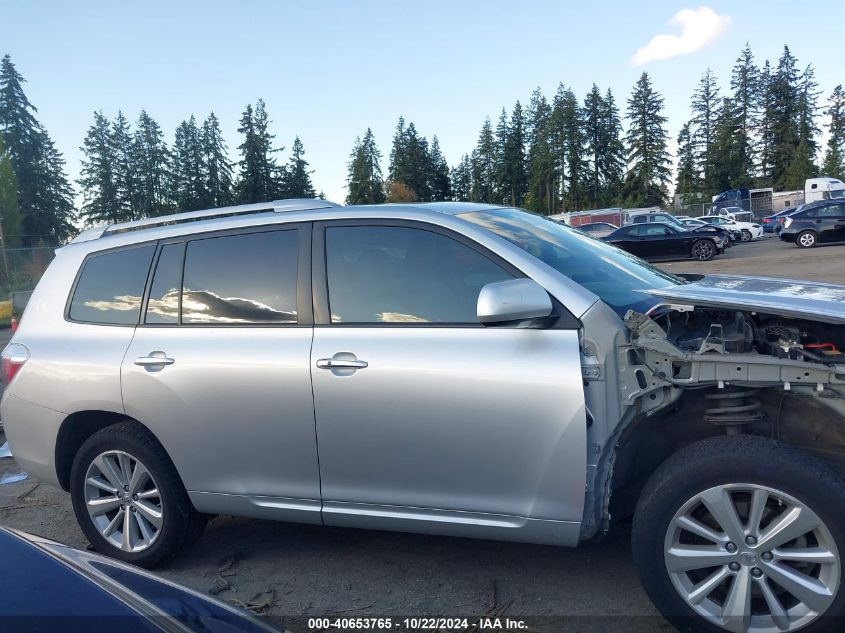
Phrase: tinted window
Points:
(241, 279)
(111, 286)
(163, 304)
(404, 275)
(660, 229)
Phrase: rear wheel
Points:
(128, 498)
(806, 239)
(743, 534)
(703, 250)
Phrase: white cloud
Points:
(699, 28)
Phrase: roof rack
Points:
(276, 206)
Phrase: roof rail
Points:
(276, 206)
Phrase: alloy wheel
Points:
(807, 239)
(746, 235)
(123, 501)
(702, 250)
(752, 559)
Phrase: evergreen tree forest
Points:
(759, 124)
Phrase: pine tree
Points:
(687, 184)
(45, 198)
(417, 169)
(834, 158)
(745, 87)
(188, 180)
(297, 179)
(152, 162)
(461, 179)
(98, 178)
(568, 147)
(258, 180)
(500, 138)
(484, 165)
(439, 183)
(785, 135)
(704, 105)
(648, 160)
(126, 174)
(807, 111)
(612, 169)
(10, 217)
(364, 182)
(727, 148)
(216, 166)
(542, 189)
(398, 168)
(513, 176)
(766, 140)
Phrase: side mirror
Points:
(511, 301)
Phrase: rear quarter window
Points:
(110, 287)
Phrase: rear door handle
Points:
(334, 363)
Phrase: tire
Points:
(806, 239)
(703, 250)
(110, 455)
(738, 468)
(746, 235)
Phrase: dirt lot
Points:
(312, 571)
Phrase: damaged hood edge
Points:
(782, 297)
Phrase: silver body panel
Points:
(462, 431)
(234, 410)
(783, 297)
(456, 419)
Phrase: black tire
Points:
(746, 235)
(742, 459)
(703, 250)
(806, 239)
(181, 525)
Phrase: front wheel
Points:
(703, 250)
(743, 534)
(806, 239)
(746, 235)
(128, 498)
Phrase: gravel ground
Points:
(312, 571)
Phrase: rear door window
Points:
(241, 279)
(110, 287)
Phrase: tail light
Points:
(766, 220)
(13, 358)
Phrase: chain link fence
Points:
(20, 270)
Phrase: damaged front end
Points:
(724, 355)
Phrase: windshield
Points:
(616, 276)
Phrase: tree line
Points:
(557, 153)
(562, 153)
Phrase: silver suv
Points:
(449, 368)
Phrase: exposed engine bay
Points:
(709, 331)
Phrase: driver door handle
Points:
(333, 363)
(146, 361)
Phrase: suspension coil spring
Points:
(735, 409)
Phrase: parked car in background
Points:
(747, 231)
(734, 213)
(660, 216)
(47, 586)
(658, 240)
(815, 223)
(728, 236)
(598, 229)
(773, 223)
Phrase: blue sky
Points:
(329, 69)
